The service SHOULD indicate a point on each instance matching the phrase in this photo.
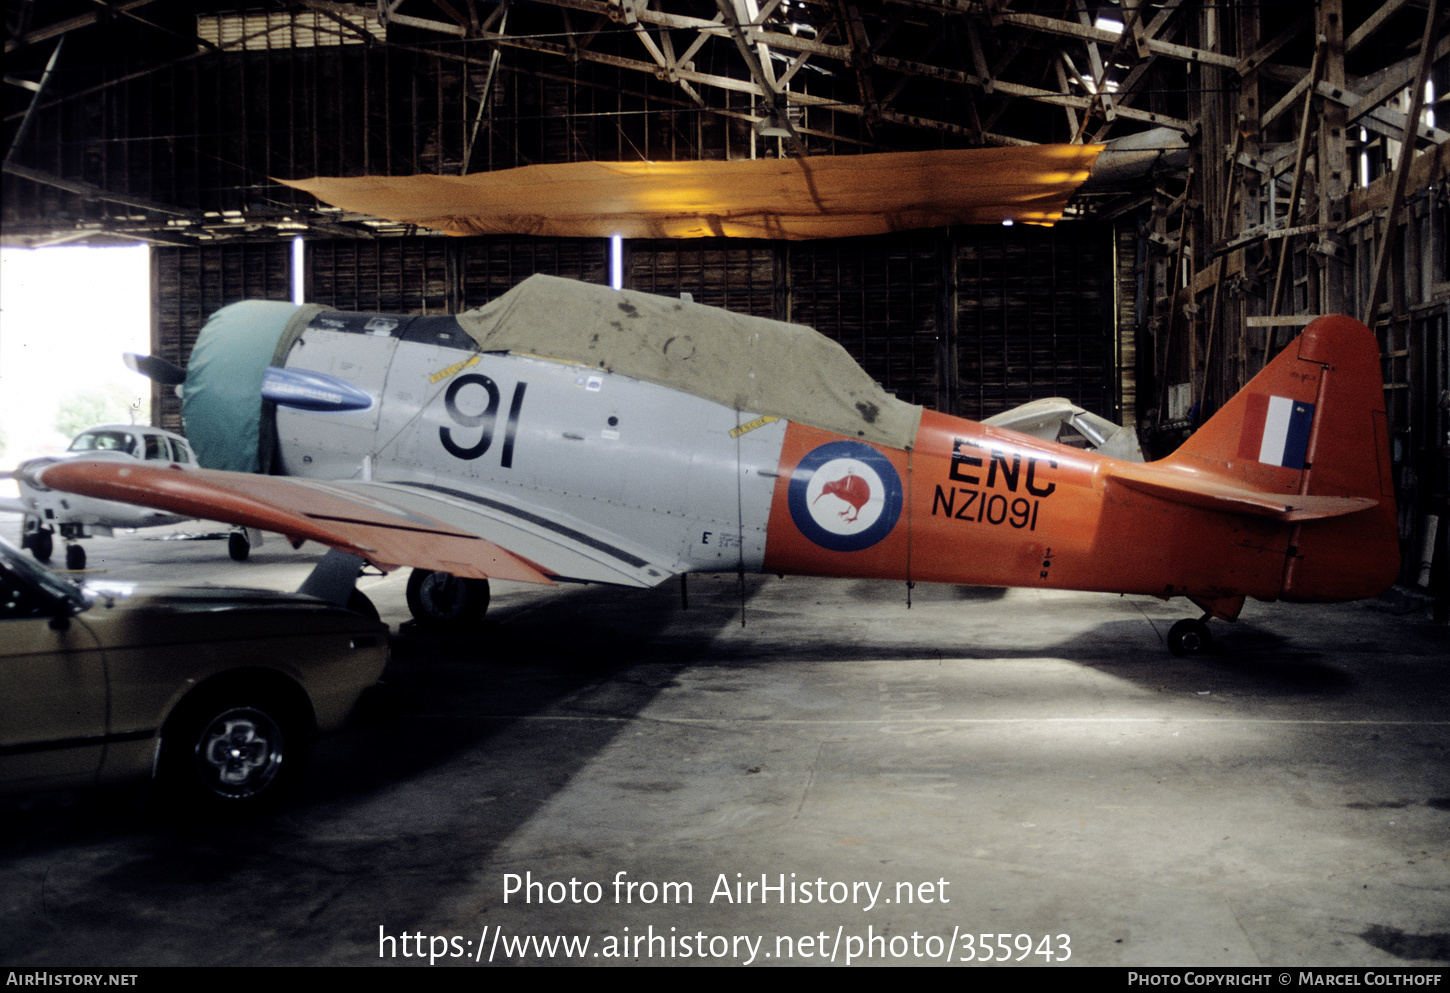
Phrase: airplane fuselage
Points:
(696, 486)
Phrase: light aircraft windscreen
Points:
(104, 441)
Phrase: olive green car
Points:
(213, 692)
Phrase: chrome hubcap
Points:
(240, 752)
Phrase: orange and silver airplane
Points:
(569, 432)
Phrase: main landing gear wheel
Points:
(238, 547)
(41, 544)
(1189, 636)
(440, 599)
(75, 558)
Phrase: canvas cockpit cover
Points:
(750, 364)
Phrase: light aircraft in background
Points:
(46, 512)
(568, 432)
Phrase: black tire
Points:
(42, 545)
(232, 751)
(358, 603)
(1189, 637)
(238, 547)
(75, 557)
(440, 599)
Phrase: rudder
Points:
(1313, 423)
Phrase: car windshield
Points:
(20, 571)
(104, 441)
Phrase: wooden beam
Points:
(1067, 29)
(1373, 23)
(1267, 51)
(763, 80)
(1390, 122)
(1288, 320)
(70, 24)
(92, 192)
(1402, 168)
(1300, 158)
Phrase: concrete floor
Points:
(1031, 765)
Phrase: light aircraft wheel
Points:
(42, 544)
(75, 557)
(238, 547)
(444, 600)
(233, 750)
(1189, 636)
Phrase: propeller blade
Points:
(157, 370)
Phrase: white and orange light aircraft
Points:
(44, 513)
(568, 432)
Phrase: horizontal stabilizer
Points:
(1212, 493)
(342, 515)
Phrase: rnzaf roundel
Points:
(845, 496)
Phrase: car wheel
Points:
(236, 751)
(443, 600)
(75, 557)
(42, 544)
(238, 547)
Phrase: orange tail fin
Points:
(1313, 424)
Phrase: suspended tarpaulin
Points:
(792, 199)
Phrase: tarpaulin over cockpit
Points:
(748, 363)
(831, 196)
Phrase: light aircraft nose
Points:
(221, 401)
(28, 472)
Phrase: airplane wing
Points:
(350, 516)
(1213, 493)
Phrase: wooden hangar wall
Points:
(1294, 206)
(972, 320)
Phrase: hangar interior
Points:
(1271, 180)
(1026, 763)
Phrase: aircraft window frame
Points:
(122, 441)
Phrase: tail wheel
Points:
(444, 600)
(234, 751)
(1189, 637)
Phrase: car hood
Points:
(133, 595)
(240, 611)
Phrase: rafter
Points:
(71, 24)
